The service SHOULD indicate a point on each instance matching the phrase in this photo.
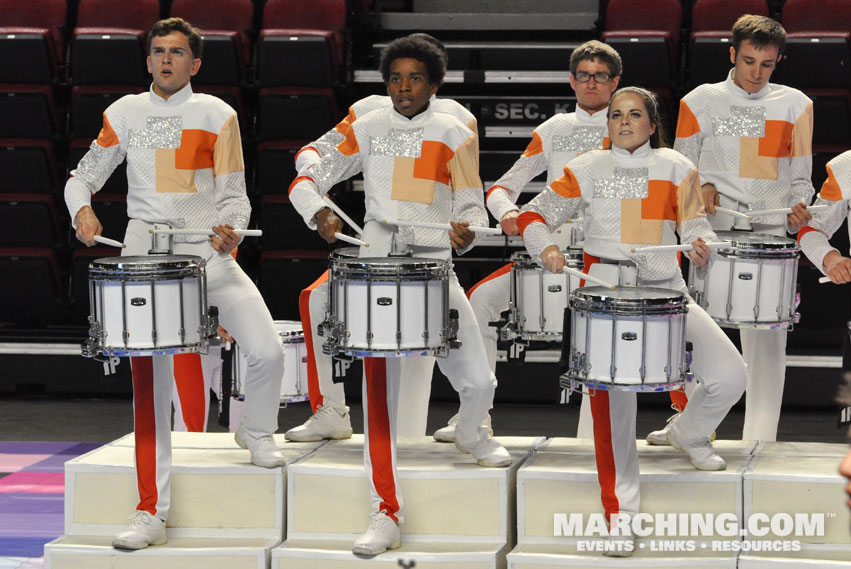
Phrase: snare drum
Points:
(539, 297)
(148, 305)
(388, 306)
(751, 284)
(294, 382)
(629, 339)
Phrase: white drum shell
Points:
(294, 382)
(540, 298)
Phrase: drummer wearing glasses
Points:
(634, 194)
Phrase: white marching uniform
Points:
(756, 148)
(554, 143)
(836, 193)
(415, 388)
(419, 169)
(629, 200)
(184, 167)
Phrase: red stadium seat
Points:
(31, 280)
(27, 166)
(284, 274)
(817, 49)
(301, 42)
(79, 288)
(276, 165)
(29, 220)
(108, 46)
(711, 36)
(28, 111)
(646, 33)
(31, 41)
(295, 113)
(227, 45)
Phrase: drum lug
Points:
(452, 329)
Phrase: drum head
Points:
(628, 301)
(140, 266)
(288, 326)
(345, 253)
(756, 243)
(389, 268)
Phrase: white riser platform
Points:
(799, 560)
(551, 483)
(790, 478)
(325, 554)
(447, 497)
(545, 556)
(586, 446)
(95, 552)
(215, 490)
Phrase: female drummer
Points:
(634, 194)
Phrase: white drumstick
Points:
(445, 226)
(358, 229)
(108, 241)
(683, 247)
(351, 240)
(242, 232)
(823, 280)
(786, 210)
(733, 212)
(589, 278)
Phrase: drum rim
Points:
(781, 243)
(156, 266)
(524, 257)
(675, 303)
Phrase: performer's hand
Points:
(225, 239)
(837, 267)
(327, 224)
(711, 198)
(223, 334)
(799, 217)
(700, 252)
(553, 259)
(509, 222)
(88, 225)
(460, 235)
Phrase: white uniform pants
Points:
(415, 386)
(469, 375)
(721, 376)
(244, 314)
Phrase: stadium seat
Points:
(31, 42)
(283, 227)
(27, 166)
(225, 25)
(646, 33)
(31, 282)
(831, 116)
(301, 43)
(111, 210)
(276, 165)
(88, 102)
(284, 274)
(79, 277)
(711, 37)
(28, 111)
(817, 48)
(295, 113)
(108, 45)
(29, 220)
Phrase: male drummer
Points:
(184, 167)
(417, 165)
(328, 399)
(752, 143)
(595, 70)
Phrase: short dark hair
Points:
(657, 139)
(414, 48)
(169, 25)
(600, 51)
(436, 43)
(760, 31)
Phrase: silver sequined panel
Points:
(159, 132)
(626, 183)
(332, 168)
(743, 121)
(555, 209)
(581, 139)
(97, 165)
(688, 147)
(327, 142)
(398, 142)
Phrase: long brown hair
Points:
(657, 139)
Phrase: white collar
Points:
(398, 118)
(731, 85)
(180, 97)
(586, 117)
(641, 152)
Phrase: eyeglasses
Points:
(584, 77)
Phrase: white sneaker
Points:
(264, 451)
(620, 545)
(660, 437)
(327, 423)
(447, 434)
(383, 534)
(489, 453)
(700, 452)
(144, 530)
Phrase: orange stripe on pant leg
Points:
(189, 379)
(313, 391)
(497, 273)
(604, 452)
(679, 399)
(145, 431)
(380, 445)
